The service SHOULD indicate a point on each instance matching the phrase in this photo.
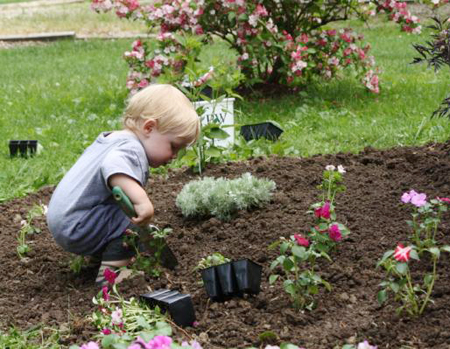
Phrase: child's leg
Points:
(115, 255)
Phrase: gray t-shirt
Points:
(82, 214)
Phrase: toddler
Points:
(82, 215)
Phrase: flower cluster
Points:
(425, 223)
(399, 13)
(287, 47)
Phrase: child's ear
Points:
(148, 125)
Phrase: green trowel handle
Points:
(123, 201)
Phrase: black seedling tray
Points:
(23, 148)
(266, 129)
(178, 305)
(232, 279)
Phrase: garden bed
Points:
(42, 289)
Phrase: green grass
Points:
(341, 116)
(65, 93)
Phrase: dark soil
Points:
(42, 290)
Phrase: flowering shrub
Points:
(286, 42)
(426, 218)
(326, 231)
(413, 295)
(298, 255)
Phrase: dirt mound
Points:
(42, 289)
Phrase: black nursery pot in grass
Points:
(178, 305)
(248, 276)
(266, 130)
(212, 285)
(23, 147)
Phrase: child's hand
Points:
(144, 213)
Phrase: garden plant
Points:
(64, 93)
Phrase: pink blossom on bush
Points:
(447, 200)
(371, 81)
(335, 233)
(116, 317)
(401, 253)
(417, 199)
(365, 345)
(106, 331)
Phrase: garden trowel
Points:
(167, 258)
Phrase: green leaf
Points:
(142, 322)
(288, 346)
(386, 255)
(313, 289)
(213, 152)
(288, 264)
(231, 16)
(435, 251)
(299, 251)
(428, 279)
(273, 278)
(394, 287)
(217, 133)
(401, 268)
(413, 254)
(283, 247)
(109, 340)
(445, 248)
(382, 296)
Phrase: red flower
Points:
(301, 240)
(105, 293)
(335, 233)
(110, 276)
(106, 331)
(323, 211)
(401, 253)
(447, 200)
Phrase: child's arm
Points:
(142, 204)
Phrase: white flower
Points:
(116, 317)
(435, 2)
(341, 169)
(330, 167)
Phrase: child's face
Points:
(161, 148)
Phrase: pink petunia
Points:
(301, 240)
(90, 345)
(106, 331)
(110, 276)
(401, 253)
(419, 200)
(105, 293)
(447, 200)
(335, 233)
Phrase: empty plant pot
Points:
(178, 305)
(212, 285)
(248, 276)
(266, 130)
(227, 279)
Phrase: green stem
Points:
(411, 294)
(430, 287)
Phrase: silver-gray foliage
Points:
(221, 197)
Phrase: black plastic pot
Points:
(23, 147)
(248, 276)
(178, 305)
(212, 285)
(232, 279)
(227, 280)
(266, 130)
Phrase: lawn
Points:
(65, 93)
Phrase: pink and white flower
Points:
(401, 253)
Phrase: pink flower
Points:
(106, 331)
(116, 317)
(323, 211)
(193, 344)
(110, 276)
(335, 233)
(90, 345)
(301, 240)
(365, 345)
(419, 200)
(447, 200)
(105, 293)
(401, 253)
(160, 342)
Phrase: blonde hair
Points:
(169, 106)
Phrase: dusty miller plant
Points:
(222, 197)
